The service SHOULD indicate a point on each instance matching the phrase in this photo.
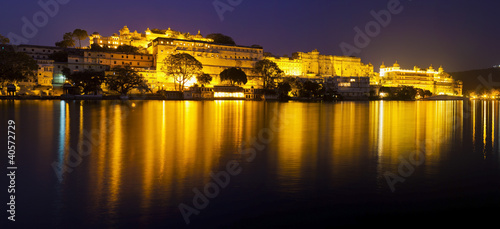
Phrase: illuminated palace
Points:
(217, 57)
(142, 39)
(314, 65)
(347, 76)
(162, 43)
(438, 82)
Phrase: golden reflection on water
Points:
(291, 151)
(485, 117)
(158, 151)
(357, 133)
(493, 117)
(115, 160)
(64, 119)
(424, 126)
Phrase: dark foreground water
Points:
(235, 164)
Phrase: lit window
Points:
(229, 95)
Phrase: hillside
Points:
(473, 79)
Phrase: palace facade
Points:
(142, 40)
(436, 81)
(314, 65)
(215, 58)
(347, 75)
(159, 44)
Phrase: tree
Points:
(204, 78)
(127, 49)
(124, 79)
(406, 93)
(423, 93)
(310, 89)
(66, 72)
(427, 93)
(68, 41)
(295, 85)
(269, 71)
(80, 35)
(234, 76)
(221, 39)
(16, 66)
(4, 40)
(89, 80)
(97, 47)
(400, 93)
(268, 54)
(182, 67)
(283, 89)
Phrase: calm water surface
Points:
(311, 164)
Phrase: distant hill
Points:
(474, 78)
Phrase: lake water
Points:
(241, 164)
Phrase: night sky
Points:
(458, 34)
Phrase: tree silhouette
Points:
(4, 40)
(221, 39)
(283, 89)
(80, 35)
(127, 49)
(182, 67)
(269, 71)
(16, 66)
(204, 78)
(68, 41)
(89, 80)
(124, 79)
(234, 76)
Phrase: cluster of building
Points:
(347, 76)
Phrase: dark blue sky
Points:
(457, 34)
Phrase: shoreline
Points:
(163, 98)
